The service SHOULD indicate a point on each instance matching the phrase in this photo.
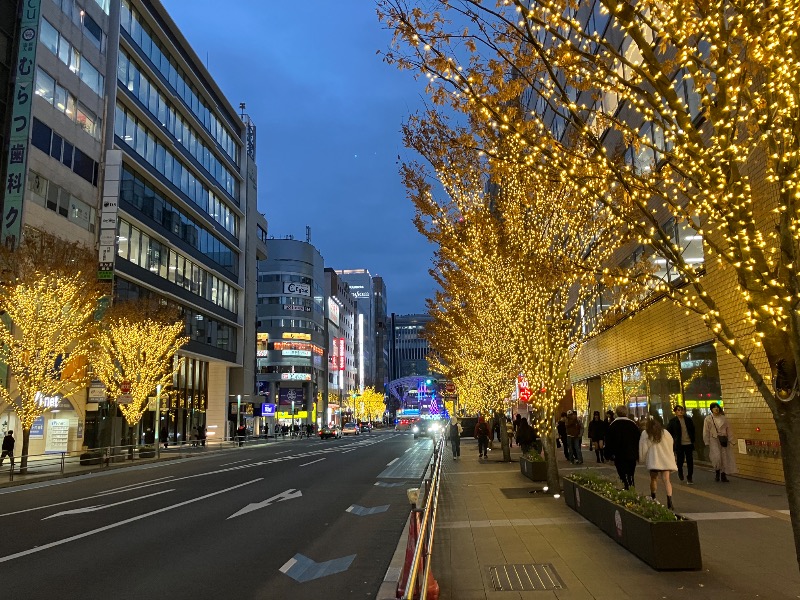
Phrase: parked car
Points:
(330, 432)
(350, 429)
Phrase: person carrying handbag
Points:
(718, 436)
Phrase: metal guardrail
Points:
(423, 550)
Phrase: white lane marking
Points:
(11, 557)
(407, 451)
(785, 512)
(350, 508)
(289, 564)
(132, 485)
(236, 462)
(394, 461)
(312, 462)
(85, 509)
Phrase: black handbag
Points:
(723, 439)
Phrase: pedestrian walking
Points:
(574, 428)
(561, 427)
(510, 432)
(718, 436)
(656, 452)
(683, 435)
(525, 435)
(193, 437)
(455, 437)
(241, 434)
(201, 434)
(597, 436)
(622, 445)
(8, 448)
(482, 432)
(164, 436)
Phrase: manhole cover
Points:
(525, 578)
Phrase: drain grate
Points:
(525, 578)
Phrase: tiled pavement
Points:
(488, 518)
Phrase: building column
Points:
(218, 401)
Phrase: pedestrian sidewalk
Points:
(488, 518)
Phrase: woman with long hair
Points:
(718, 436)
(597, 435)
(655, 451)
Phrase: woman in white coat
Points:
(655, 451)
(722, 457)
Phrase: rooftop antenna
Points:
(308, 234)
(242, 106)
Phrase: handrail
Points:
(425, 536)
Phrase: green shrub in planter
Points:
(92, 457)
(148, 451)
(533, 466)
(647, 529)
(641, 505)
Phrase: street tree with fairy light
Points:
(370, 405)
(690, 112)
(49, 300)
(522, 243)
(137, 343)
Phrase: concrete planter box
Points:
(662, 545)
(535, 470)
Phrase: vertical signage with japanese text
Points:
(21, 105)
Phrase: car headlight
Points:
(415, 429)
(434, 427)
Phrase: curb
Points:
(388, 589)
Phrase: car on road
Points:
(404, 424)
(350, 429)
(330, 432)
(427, 428)
(366, 428)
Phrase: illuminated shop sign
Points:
(296, 376)
(342, 355)
(291, 335)
(297, 289)
(333, 311)
(297, 346)
(302, 353)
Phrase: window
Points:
(45, 85)
(49, 36)
(93, 31)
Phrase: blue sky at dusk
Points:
(328, 112)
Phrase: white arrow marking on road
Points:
(287, 495)
(86, 509)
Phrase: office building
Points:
(361, 286)
(381, 334)
(341, 333)
(408, 352)
(292, 330)
(131, 147)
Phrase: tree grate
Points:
(525, 578)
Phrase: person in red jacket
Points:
(482, 433)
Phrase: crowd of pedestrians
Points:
(620, 438)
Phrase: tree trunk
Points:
(551, 457)
(500, 418)
(23, 456)
(787, 419)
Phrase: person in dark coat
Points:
(525, 435)
(8, 448)
(682, 431)
(574, 428)
(622, 445)
(561, 427)
(163, 437)
(482, 432)
(597, 435)
(241, 434)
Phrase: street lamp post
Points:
(292, 433)
(157, 421)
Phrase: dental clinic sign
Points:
(296, 289)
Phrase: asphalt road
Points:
(295, 519)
